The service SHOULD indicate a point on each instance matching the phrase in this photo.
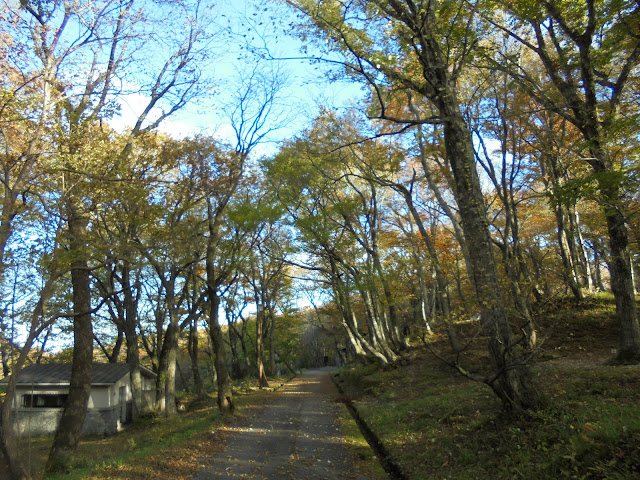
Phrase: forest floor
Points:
(433, 422)
(437, 424)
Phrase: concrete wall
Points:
(41, 421)
(101, 422)
(44, 421)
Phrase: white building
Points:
(42, 390)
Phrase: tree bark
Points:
(130, 304)
(225, 393)
(621, 280)
(512, 381)
(272, 345)
(193, 354)
(75, 409)
(262, 378)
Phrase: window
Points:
(44, 400)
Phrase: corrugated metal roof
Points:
(60, 373)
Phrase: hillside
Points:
(437, 424)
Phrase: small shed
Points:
(42, 390)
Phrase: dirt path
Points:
(295, 437)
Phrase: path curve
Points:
(295, 437)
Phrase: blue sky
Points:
(246, 29)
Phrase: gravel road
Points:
(295, 437)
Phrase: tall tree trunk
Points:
(133, 360)
(354, 343)
(621, 280)
(171, 338)
(210, 364)
(569, 271)
(237, 364)
(594, 115)
(397, 335)
(581, 251)
(262, 378)
(633, 275)
(4, 353)
(166, 381)
(75, 409)
(133, 353)
(377, 336)
(193, 354)
(437, 277)
(184, 381)
(8, 446)
(214, 280)
(161, 378)
(272, 345)
(243, 345)
(395, 330)
(130, 323)
(512, 381)
(362, 348)
(225, 393)
(620, 263)
(597, 267)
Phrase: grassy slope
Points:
(437, 424)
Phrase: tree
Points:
(38, 323)
(403, 50)
(509, 169)
(71, 59)
(589, 51)
(173, 248)
(235, 303)
(121, 220)
(266, 273)
(338, 223)
(253, 114)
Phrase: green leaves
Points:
(590, 187)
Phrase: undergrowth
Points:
(439, 425)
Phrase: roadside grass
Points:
(364, 457)
(154, 447)
(437, 424)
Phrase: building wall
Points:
(105, 415)
(98, 398)
(44, 421)
(23, 390)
